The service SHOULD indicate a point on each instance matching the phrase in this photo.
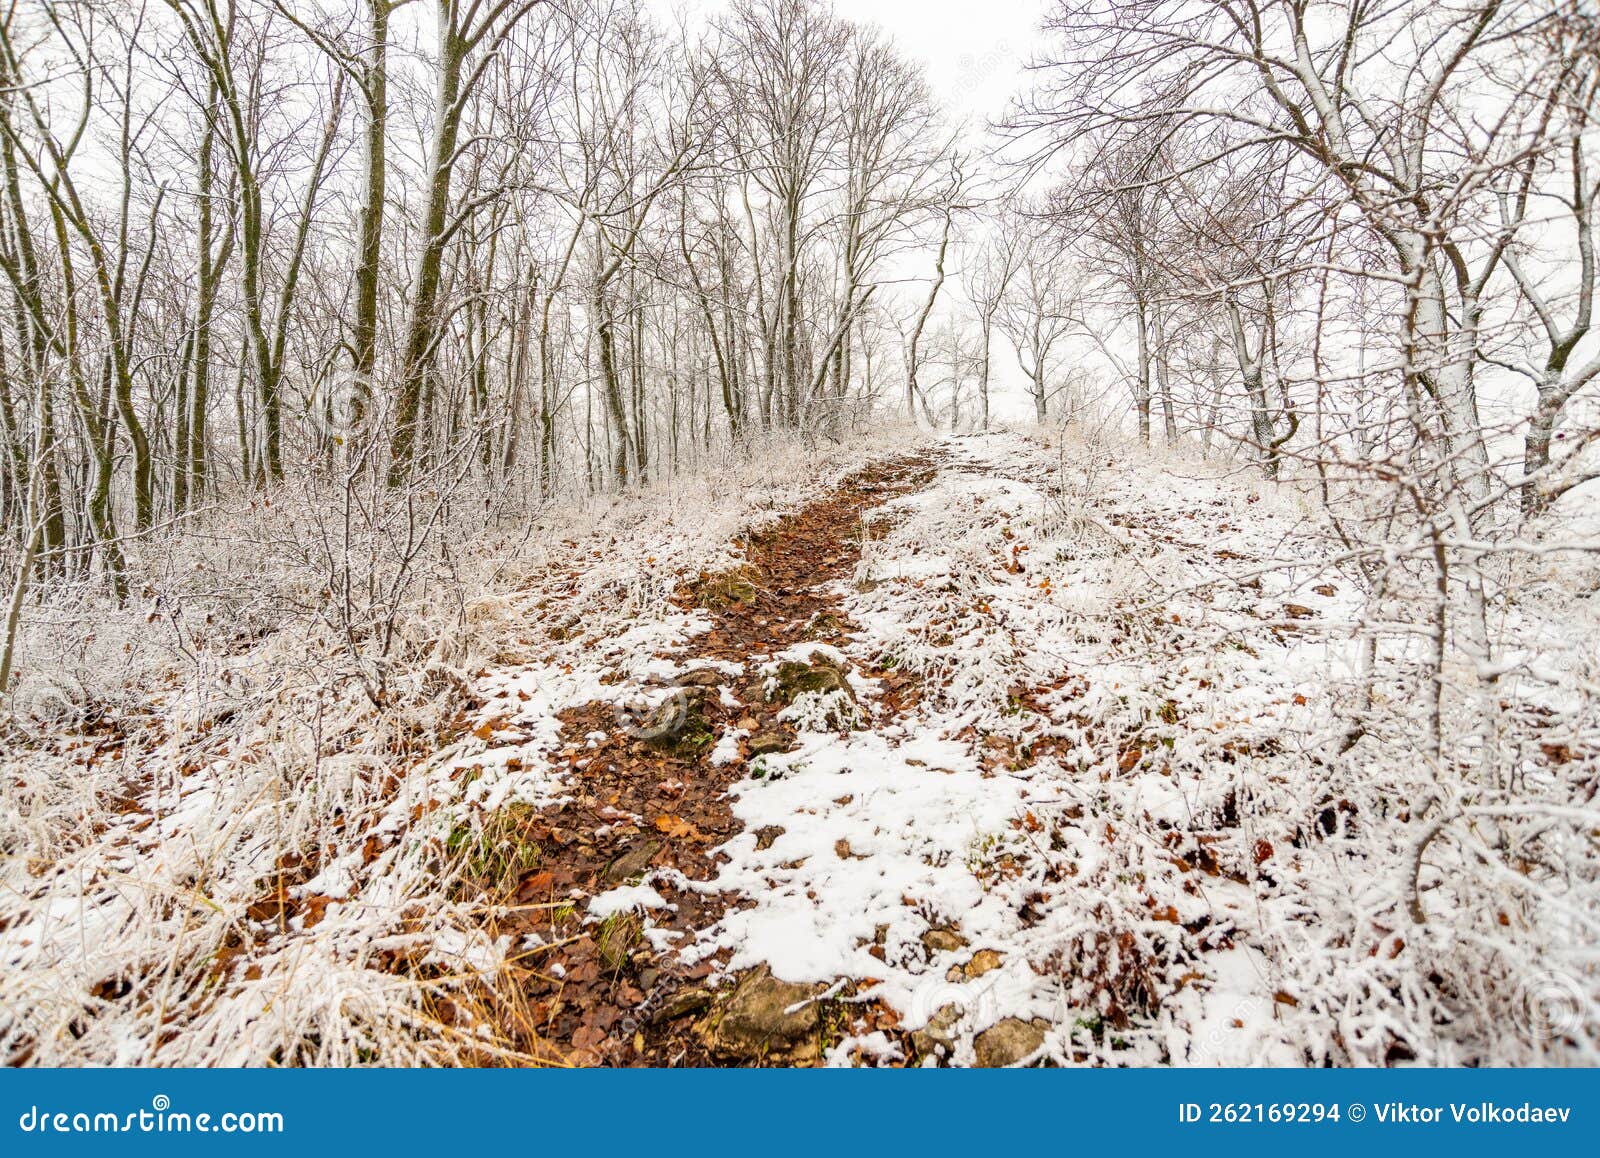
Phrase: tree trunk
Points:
(417, 359)
(1141, 385)
(369, 251)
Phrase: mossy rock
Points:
(701, 677)
(1009, 1042)
(940, 1032)
(943, 940)
(766, 1019)
(679, 726)
(772, 740)
(826, 625)
(632, 862)
(820, 677)
(684, 1003)
(719, 590)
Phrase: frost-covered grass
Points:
(236, 813)
(1151, 804)
(1148, 802)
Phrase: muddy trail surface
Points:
(649, 792)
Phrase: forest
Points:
(542, 532)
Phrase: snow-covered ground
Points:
(1121, 822)
(1117, 813)
(219, 851)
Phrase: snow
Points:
(1124, 800)
(726, 749)
(914, 811)
(1148, 623)
(260, 763)
(626, 899)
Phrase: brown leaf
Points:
(677, 826)
(588, 1037)
(535, 887)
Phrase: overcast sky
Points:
(974, 49)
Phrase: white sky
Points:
(974, 49)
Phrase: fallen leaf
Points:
(676, 826)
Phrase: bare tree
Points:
(987, 279)
(470, 35)
(1040, 306)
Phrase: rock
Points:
(679, 727)
(755, 1023)
(769, 741)
(632, 862)
(1008, 1042)
(943, 941)
(718, 591)
(768, 835)
(825, 624)
(820, 677)
(619, 933)
(982, 961)
(939, 1031)
(701, 677)
(681, 1004)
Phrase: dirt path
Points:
(650, 793)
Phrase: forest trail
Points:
(1003, 749)
(1179, 650)
(942, 769)
(651, 776)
